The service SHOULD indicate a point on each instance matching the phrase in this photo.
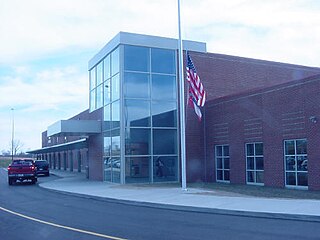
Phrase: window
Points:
(163, 61)
(136, 58)
(137, 113)
(222, 163)
(296, 163)
(136, 85)
(164, 87)
(254, 163)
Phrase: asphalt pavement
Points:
(193, 199)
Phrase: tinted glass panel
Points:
(116, 166)
(93, 100)
(163, 61)
(115, 142)
(137, 169)
(164, 114)
(107, 91)
(226, 163)
(136, 58)
(250, 176)
(290, 163)
(226, 175)
(107, 69)
(107, 117)
(136, 85)
(259, 163)
(99, 73)
(115, 86)
(137, 141)
(137, 113)
(301, 146)
(260, 176)
(226, 150)
(165, 168)
(218, 150)
(107, 169)
(250, 163)
(302, 163)
(99, 96)
(107, 144)
(115, 111)
(259, 149)
(291, 178)
(250, 149)
(289, 148)
(115, 62)
(219, 163)
(302, 179)
(164, 141)
(163, 87)
(92, 78)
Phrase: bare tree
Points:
(16, 145)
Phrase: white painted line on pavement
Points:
(61, 226)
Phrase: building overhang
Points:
(78, 144)
(74, 128)
(126, 38)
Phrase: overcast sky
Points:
(46, 45)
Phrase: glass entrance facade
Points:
(150, 114)
(137, 88)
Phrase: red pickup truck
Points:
(22, 169)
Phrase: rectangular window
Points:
(296, 163)
(222, 163)
(254, 163)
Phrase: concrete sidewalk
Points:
(195, 199)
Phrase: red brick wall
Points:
(274, 114)
(224, 76)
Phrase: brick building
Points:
(259, 124)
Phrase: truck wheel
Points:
(10, 181)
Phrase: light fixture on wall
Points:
(313, 119)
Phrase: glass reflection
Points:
(99, 74)
(136, 58)
(107, 91)
(115, 111)
(138, 141)
(136, 85)
(164, 114)
(163, 61)
(92, 78)
(137, 113)
(93, 100)
(164, 87)
(99, 96)
(107, 68)
(115, 64)
(164, 141)
(137, 169)
(115, 142)
(107, 144)
(115, 87)
(165, 169)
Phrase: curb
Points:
(172, 207)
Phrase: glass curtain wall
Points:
(150, 114)
(111, 112)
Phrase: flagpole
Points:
(182, 108)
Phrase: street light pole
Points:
(12, 136)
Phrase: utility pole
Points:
(12, 136)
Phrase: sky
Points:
(45, 46)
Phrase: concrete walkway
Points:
(192, 199)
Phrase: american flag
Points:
(197, 94)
